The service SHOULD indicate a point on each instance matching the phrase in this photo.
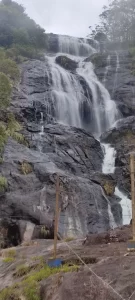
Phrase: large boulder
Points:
(66, 62)
(79, 285)
(31, 195)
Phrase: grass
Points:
(29, 287)
(10, 253)
(3, 184)
(8, 259)
(26, 168)
(109, 188)
(69, 239)
(10, 129)
(22, 270)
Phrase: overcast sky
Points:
(72, 17)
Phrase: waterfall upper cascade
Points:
(78, 98)
(75, 46)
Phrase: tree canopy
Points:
(17, 28)
(117, 22)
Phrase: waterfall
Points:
(105, 112)
(107, 69)
(74, 46)
(78, 98)
(71, 92)
(42, 124)
(109, 168)
(66, 95)
(109, 159)
(116, 72)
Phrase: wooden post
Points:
(133, 192)
(56, 216)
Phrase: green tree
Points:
(10, 68)
(5, 90)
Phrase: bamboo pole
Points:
(133, 192)
(56, 216)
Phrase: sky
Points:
(70, 17)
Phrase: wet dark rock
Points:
(120, 79)
(99, 60)
(66, 63)
(123, 139)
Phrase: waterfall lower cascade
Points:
(109, 168)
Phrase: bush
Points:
(22, 270)
(10, 253)
(3, 136)
(5, 91)
(8, 260)
(3, 184)
(26, 168)
(9, 68)
(2, 53)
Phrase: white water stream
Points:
(109, 168)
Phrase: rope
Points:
(90, 269)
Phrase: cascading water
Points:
(109, 168)
(107, 69)
(105, 112)
(74, 46)
(78, 95)
(66, 94)
(116, 72)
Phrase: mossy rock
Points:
(26, 168)
(66, 63)
(3, 184)
(99, 60)
(109, 188)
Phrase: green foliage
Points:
(46, 271)
(13, 125)
(3, 184)
(99, 60)
(9, 294)
(29, 287)
(69, 239)
(17, 28)
(31, 291)
(9, 68)
(117, 22)
(5, 90)
(2, 53)
(3, 136)
(22, 270)
(8, 260)
(26, 168)
(132, 51)
(109, 188)
(20, 138)
(10, 253)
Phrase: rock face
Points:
(71, 152)
(116, 70)
(122, 137)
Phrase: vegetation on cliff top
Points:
(17, 29)
(117, 23)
